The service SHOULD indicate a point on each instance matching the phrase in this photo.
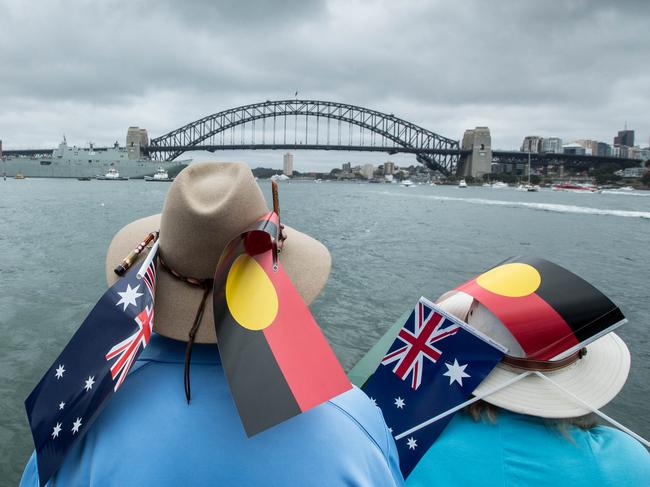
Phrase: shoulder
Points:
(619, 456)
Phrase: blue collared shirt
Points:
(149, 435)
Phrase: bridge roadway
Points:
(507, 157)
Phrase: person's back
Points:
(521, 450)
(148, 435)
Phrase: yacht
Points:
(407, 183)
(462, 184)
(499, 185)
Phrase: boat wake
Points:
(552, 207)
(625, 193)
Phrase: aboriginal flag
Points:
(275, 357)
(550, 311)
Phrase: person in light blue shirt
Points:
(148, 435)
(531, 433)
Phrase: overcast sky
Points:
(89, 69)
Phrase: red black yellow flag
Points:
(275, 357)
(542, 303)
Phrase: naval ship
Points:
(90, 162)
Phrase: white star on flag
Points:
(399, 402)
(76, 425)
(56, 430)
(374, 401)
(129, 296)
(456, 372)
(61, 405)
(89, 382)
(412, 443)
(59, 371)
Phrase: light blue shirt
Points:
(148, 435)
(522, 451)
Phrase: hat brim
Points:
(306, 261)
(596, 378)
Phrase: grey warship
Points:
(90, 162)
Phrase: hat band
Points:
(546, 365)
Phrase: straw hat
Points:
(595, 378)
(207, 205)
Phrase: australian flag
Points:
(434, 365)
(91, 368)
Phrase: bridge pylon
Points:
(478, 161)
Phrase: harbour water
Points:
(389, 246)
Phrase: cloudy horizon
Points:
(573, 69)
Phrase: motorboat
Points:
(84, 178)
(462, 183)
(112, 175)
(160, 176)
(576, 187)
(19, 176)
(499, 185)
(407, 183)
(527, 187)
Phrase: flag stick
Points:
(462, 405)
(595, 411)
(148, 259)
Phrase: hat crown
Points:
(207, 205)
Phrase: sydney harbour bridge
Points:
(323, 125)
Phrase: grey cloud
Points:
(577, 66)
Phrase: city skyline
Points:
(436, 64)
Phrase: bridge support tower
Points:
(479, 161)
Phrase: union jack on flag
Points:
(67, 400)
(127, 350)
(428, 328)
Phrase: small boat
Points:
(84, 178)
(112, 175)
(626, 188)
(407, 183)
(576, 187)
(19, 175)
(499, 185)
(160, 176)
(462, 183)
(487, 185)
(527, 187)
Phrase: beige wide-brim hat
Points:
(207, 205)
(596, 378)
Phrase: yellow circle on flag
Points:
(250, 294)
(513, 280)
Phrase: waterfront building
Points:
(347, 167)
(532, 143)
(624, 138)
(367, 171)
(389, 168)
(552, 145)
(591, 146)
(287, 164)
(574, 149)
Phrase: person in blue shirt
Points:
(531, 433)
(149, 435)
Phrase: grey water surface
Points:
(389, 246)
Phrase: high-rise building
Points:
(368, 171)
(532, 143)
(347, 167)
(574, 149)
(552, 145)
(603, 149)
(287, 164)
(624, 138)
(389, 168)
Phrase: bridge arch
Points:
(434, 150)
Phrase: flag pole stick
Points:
(148, 259)
(595, 411)
(461, 406)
